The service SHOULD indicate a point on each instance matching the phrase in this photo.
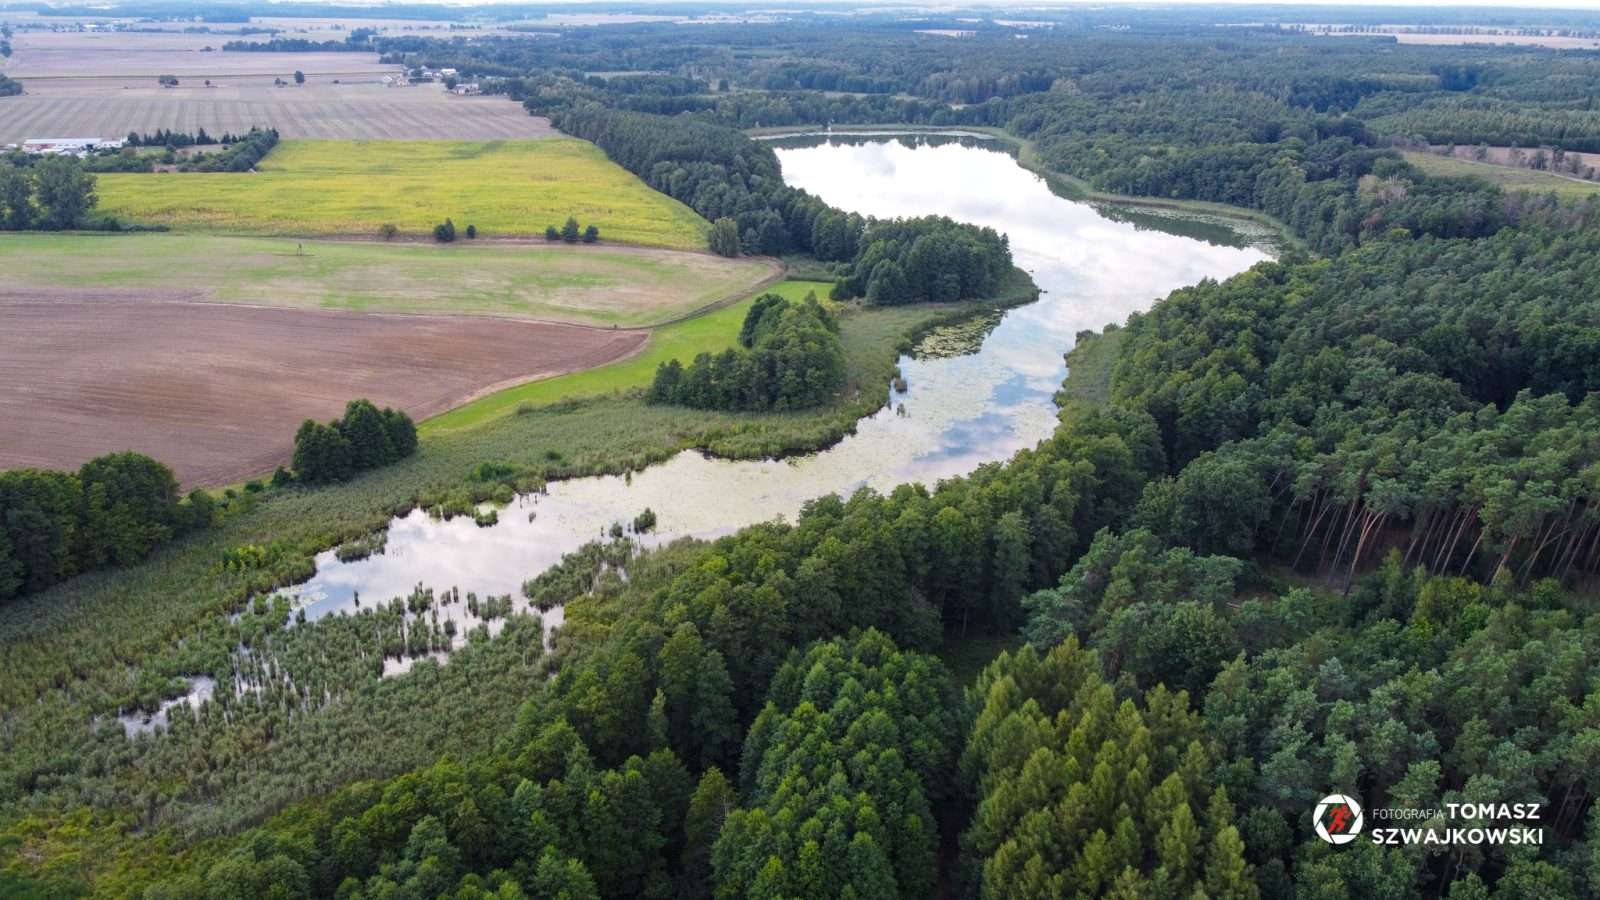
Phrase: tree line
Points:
(163, 137)
(789, 357)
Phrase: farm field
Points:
(582, 284)
(111, 107)
(352, 187)
(1512, 178)
(217, 391)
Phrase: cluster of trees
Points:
(9, 87)
(163, 137)
(570, 232)
(789, 358)
(1085, 791)
(364, 438)
(910, 260)
(444, 232)
(50, 194)
(112, 512)
(241, 155)
(839, 773)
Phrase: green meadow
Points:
(311, 188)
(583, 284)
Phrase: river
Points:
(959, 412)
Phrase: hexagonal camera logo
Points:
(1338, 819)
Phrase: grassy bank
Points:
(311, 188)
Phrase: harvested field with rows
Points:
(81, 84)
(317, 109)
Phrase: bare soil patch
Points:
(216, 392)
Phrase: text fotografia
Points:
(1339, 819)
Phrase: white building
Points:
(68, 146)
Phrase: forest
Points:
(1332, 526)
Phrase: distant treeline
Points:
(111, 512)
(359, 40)
(722, 174)
(161, 137)
(789, 357)
(365, 438)
(240, 156)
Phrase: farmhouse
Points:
(465, 89)
(68, 146)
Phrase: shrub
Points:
(472, 232)
(444, 232)
(551, 233)
(387, 231)
(591, 234)
(569, 231)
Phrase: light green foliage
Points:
(1079, 795)
(839, 766)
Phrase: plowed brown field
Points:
(216, 392)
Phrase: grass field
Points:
(1508, 177)
(353, 187)
(708, 333)
(586, 285)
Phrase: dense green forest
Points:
(1333, 528)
